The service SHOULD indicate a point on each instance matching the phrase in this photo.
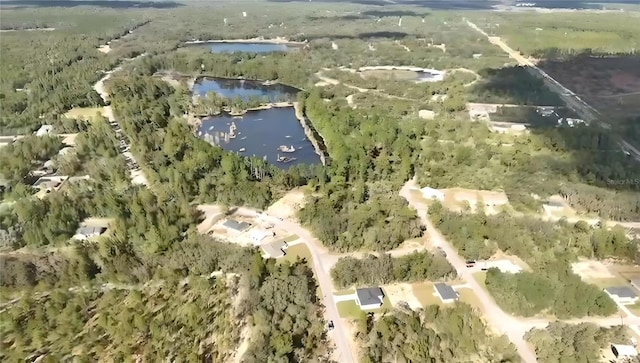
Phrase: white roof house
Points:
(260, 234)
(44, 130)
(622, 350)
(83, 233)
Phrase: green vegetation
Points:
(119, 323)
(583, 342)
(560, 293)
(547, 248)
(373, 270)
(453, 334)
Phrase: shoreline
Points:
(314, 137)
(260, 40)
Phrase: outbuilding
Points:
(44, 130)
(369, 298)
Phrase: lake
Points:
(241, 47)
(245, 89)
(261, 133)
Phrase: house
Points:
(259, 234)
(426, 114)
(622, 295)
(49, 182)
(369, 298)
(85, 232)
(235, 225)
(446, 293)
(44, 130)
(623, 351)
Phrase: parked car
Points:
(330, 325)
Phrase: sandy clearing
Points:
(402, 293)
(288, 205)
(276, 40)
(590, 270)
(27, 30)
(106, 48)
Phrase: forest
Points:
(561, 342)
(379, 270)
(548, 248)
(435, 334)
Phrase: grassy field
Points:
(401, 75)
(351, 310)
(424, 292)
(295, 251)
(84, 113)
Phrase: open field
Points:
(397, 74)
(398, 293)
(84, 113)
(423, 291)
(611, 84)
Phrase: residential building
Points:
(622, 295)
(235, 225)
(624, 351)
(44, 130)
(259, 234)
(369, 298)
(446, 293)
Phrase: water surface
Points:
(260, 133)
(245, 89)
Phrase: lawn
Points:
(295, 251)
(423, 291)
(468, 296)
(351, 310)
(481, 277)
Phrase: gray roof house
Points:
(238, 226)
(622, 294)
(446, 292)
(369, 298)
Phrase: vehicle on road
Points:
(330, 326)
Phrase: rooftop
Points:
(238, 226)
(370, 295)
(621, 291)
(446, 292)
(90, 231)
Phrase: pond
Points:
(270, 133)
(242, 47)
(245, 89)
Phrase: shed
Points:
(446, 293)
(369, 298)
(426, 114)
(622, 295)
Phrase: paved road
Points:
(571, 99)
(339, 334)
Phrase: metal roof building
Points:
(446, 292)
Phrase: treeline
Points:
(436, 334)
(538, 242)
(384, 269)
(559, 292)
(584, 342)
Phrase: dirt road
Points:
(339, 334)
(572, 100)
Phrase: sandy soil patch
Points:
(98, 222)
(212, 214)
(399, 74)
(591, 270)
(288, 205)
(500, 255)
(27, 30)
(106, 48)
(84, 113)
(69, 139)
(402, 292)
(276, 40)
(351, 335)
(350, 101)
